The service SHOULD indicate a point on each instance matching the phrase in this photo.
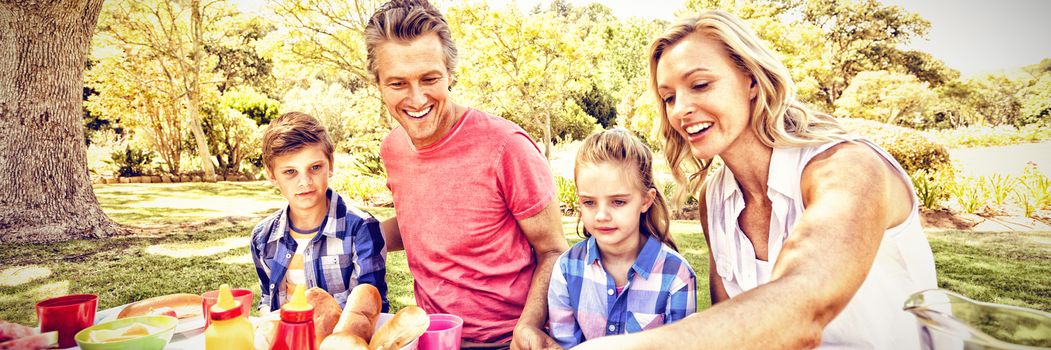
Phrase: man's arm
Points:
(544, 232)
(391, 234)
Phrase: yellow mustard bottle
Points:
(230, 328)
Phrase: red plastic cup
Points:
(240, 294)
(444, 333)
(68, 315)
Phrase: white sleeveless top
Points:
(873, 319)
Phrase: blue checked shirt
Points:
(583, 302)
(347, 251)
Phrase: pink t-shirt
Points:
(457, 203)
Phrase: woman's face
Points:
(707, 98)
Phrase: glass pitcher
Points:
(951, 321)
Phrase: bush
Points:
(933, 187)
(911, 148)
(983, 135)
(131, 161)
(362, 189)
(567, 195)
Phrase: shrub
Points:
(567, 195)
(932, 187)
(1000, 186)
(362, 189)
(910, 147)
(131, 161)
(970, 193)
(983, 135)
(1036, 187)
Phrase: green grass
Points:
(191, 248)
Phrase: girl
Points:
(626, 276)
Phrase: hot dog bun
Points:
(326, 312)
(343, 341)
(364, 306)
(185, 306)
(408, 324)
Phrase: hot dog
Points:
(326, 311)
(358, 320)
(184, 305)
(408, 324)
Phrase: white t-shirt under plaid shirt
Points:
(583, 302)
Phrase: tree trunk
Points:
(547, 136)
(45, 191)
(194, 95)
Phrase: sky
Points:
(972, 36)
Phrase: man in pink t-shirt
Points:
(474, 198)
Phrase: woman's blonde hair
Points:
(778, 118)
(620, 147)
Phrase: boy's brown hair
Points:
(291, 132)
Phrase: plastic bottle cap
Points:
(226, 307)
(297, 309)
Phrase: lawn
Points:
(193, 237)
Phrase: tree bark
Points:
(45, 190)
(194, 94)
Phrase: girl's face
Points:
(707, 98)
(611, 203)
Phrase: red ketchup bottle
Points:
(296, 330)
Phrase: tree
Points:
(887, 97)
(173, 34)
(997, 101)
(859, 36)
(954, 107)
(328, 34)
(46, 192)
(238, 60)
(523, 68)
(131, 88)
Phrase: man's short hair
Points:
(406, 20)
(291, 132)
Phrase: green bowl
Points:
(156, 340)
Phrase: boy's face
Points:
(302, 177)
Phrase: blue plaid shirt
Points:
(347, 251)
(583, 302)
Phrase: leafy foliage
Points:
(886, 97)
(932, 187)
(131, 161)
(233, 137)
(981, 135)
(363, 189)
(911, 148)
(567, 195)
(523, 68)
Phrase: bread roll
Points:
(326, 312)
(185, 306)
(343, 341)
(408, 324)
(266, 330)
(362, 311)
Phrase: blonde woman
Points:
(814, 235)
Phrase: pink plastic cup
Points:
(240, 294)
(68, 315)
(443, 334)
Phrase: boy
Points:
(318, 239)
